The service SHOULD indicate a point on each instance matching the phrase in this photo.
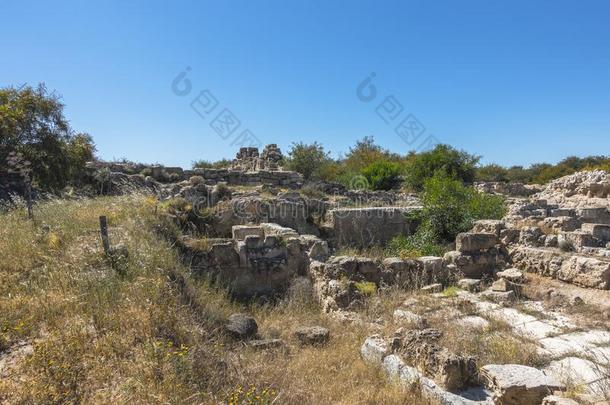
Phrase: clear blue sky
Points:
(514, 81)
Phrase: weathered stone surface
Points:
(557, 400)
(499, 296)
(449, 370)
(475, 265)
(241, 326)
(586, 271)
(470, 284)
(364, 227)
(266, 344)
(374, 349)
(530, 236)
(401, 315)
(313, 335)
(514, 384)
(578, 239)
(503, 285)
(469, 242)
(240, 232)
(546, 262)
(599, 231)
(488, 226)
(511, 274)
(473, 321)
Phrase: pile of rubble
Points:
(579, 190)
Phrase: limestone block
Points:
(469, 242)
(514, 384)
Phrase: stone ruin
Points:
(248, 158)
(275, 241)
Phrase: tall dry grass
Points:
(73, 330)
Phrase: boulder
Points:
(470, 242)
(374, 349)
(514, 384)
(449, 370)
(588, 272)
(312, 335)
(241, 326)
(470, 284)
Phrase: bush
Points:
(308, 159)
(450, 207)
(443, 159)
(205, 164)
(382, 175)
(492, 172)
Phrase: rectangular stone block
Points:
(240, 232)
(468, 242)
(599, 231)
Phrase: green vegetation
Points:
(205, 164)
(541, 173)
(36, 139)
(366, 287)
(309, 160)
(382, 175)
(442, 160)
(449, 207)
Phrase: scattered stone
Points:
(470, 284)
(449, 370)
(514, 384)
(432, 288)
(313, 335)
(473, 321)
(374, 349)
(400, 315)
(266, 344)
(498, 296)
(241, 326)
(503, 285)
(512, 274)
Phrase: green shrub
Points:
(366, 287)
(382, 175)
(450, 207)
(308, 159)
(443, 159)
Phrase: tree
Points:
(443, 159)
(491, 172)
(308, 159)
(32, 124)
(382, 175)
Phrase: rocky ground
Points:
(517, 313)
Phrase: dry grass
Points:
(153, 335)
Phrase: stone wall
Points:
(369, 226)
(259, 260)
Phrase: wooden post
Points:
(104, 232)
(29, 201)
